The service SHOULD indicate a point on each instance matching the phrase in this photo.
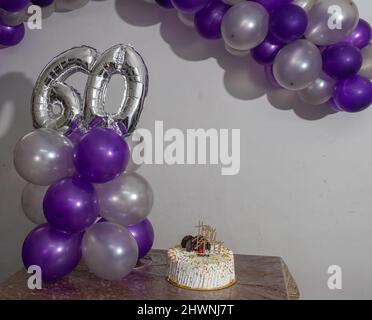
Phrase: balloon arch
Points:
(319, 48)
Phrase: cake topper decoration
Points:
(205, 242)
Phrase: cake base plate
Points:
(200, 289)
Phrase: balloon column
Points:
(79, 170)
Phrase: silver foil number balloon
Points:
(330, 21)
(54, 104)
(127, 62)
(297, 65)
(245, 25)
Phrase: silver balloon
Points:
(297, 65)
(331, 21)
(135, 141)
(127, 62)
(109, 250)
(234, 52)
(44, 156)
(13, 18)
(318, 92)
(305, 4)
(186, 18)
(50, 91)
(32, 202)
(366, 69)
(128, 199)
(69, 5)
(245, 25)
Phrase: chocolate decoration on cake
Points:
(189, 245)
(185, 240)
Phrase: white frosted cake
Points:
(208, 270)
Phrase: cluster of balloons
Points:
(82, 187)
(319, 48)
(14, 14)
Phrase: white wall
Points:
(304, 189)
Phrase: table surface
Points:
(258, 277)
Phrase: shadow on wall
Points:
(15, 121)
(244, 78)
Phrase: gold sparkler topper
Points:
(207, 237)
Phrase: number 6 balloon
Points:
(50, 90)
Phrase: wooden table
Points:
(258, 277)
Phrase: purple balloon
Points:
(11, 35)
(143, 233)
(42, 3)
(266, 52)
(353, 94)
(270, 76)
(55, 252)
(288, 23)
(165, 3)
(71, 205)
(361, 36)
(14, 5)
(189, 6)
(209, 19)
(271, 5)
(342, 60)
(75, 136)
(101, 155)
